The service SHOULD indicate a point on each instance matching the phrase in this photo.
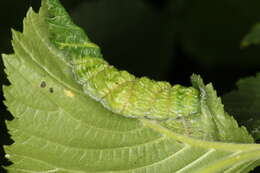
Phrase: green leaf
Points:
(244, 102)
(226, 127)
(253, 37)
(58, 128)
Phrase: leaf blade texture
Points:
(58, 128)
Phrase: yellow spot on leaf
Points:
(68, 93)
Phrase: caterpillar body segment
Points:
(125, 94)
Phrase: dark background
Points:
(162, 39)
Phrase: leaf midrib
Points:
(230, 147)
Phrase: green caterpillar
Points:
(125, 94)
(119, 91)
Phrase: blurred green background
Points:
(162, 39)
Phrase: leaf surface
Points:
(244, 102)
(58, 128)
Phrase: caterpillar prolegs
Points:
(119, 91)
